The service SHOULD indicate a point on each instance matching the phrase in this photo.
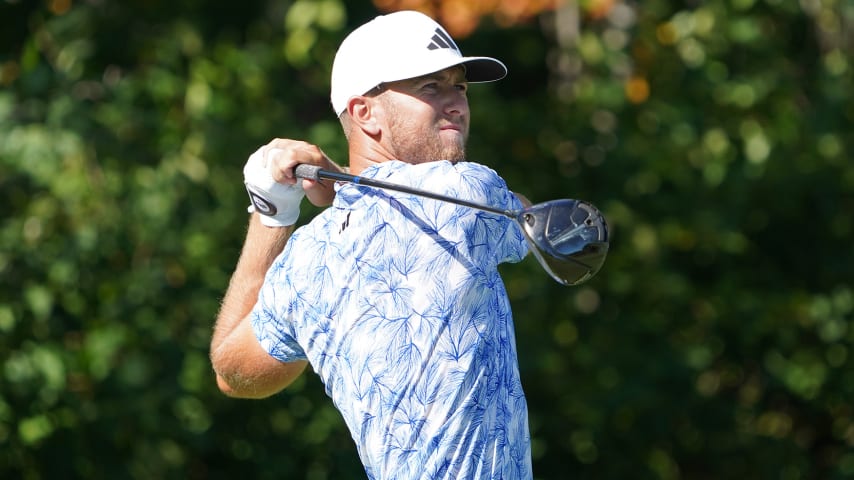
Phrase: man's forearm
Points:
(263, 244)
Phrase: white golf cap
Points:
(399, 46)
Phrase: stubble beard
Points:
(430, 147)
(414, 145)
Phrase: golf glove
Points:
(277, 203)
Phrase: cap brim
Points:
(478, 69)
(483, 69)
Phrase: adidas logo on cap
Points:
(441, 40)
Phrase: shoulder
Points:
(446, 174)
(396, 168)
(466, 180)
(476, 173)
(462, 169)
(479, 183)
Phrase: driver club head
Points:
(568, 237)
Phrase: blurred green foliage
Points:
(716, 136)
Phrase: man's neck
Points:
(362, 158)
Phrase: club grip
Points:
(309, 172)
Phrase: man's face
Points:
(427, 118)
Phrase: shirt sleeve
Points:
(483, 185)
(272, 317)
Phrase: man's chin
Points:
(454, 154)
(451, 153)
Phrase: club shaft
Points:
(312, 172)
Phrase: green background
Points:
(716, 137)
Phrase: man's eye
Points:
(461, 87)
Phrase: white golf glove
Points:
(277, 203)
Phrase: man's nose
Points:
(456, 102)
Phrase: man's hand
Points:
(284, 155)
(274, 189)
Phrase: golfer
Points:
(394, 300)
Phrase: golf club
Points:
(568, 237)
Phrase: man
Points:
(394, 300)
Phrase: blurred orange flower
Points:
(461, 17)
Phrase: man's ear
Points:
(363, 112)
